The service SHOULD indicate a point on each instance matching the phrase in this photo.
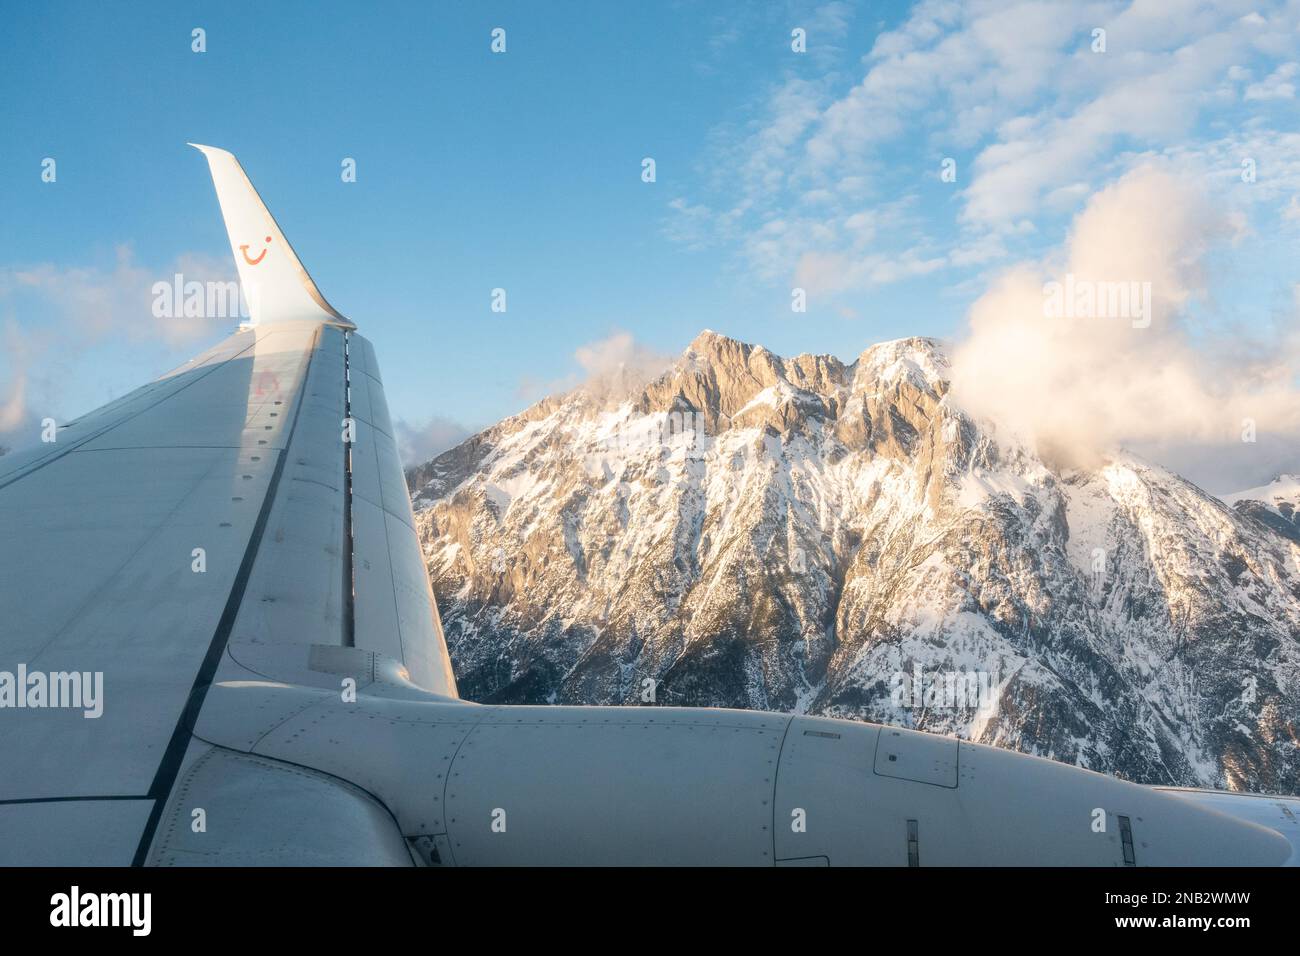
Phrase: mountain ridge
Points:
(837, 538)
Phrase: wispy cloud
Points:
(59, 317)
(1035, 113)
(610, 367)
(1279, 85)
(93, 302)
(420, 442)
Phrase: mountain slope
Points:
(1276, 504)
(801, 534)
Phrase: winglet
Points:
(274, 282)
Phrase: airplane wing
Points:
(218, 645)
(244, 515)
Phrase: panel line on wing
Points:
(174, 755)
(349, 543)
(74, 799)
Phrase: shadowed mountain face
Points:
(805, 535)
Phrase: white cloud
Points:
(424, 441)
(1278, 86)
(618, 364)
(90, 303)
(13, 392)
(611, 367)
(1036, 120)
(1078, 388)
(57, 317)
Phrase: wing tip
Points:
(224, 163)
(210, 150)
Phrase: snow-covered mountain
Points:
(805, 535)
(1276, 504)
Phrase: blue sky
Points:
(522, 170)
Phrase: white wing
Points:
(276, 688)
(212, 525)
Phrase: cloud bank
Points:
(1080, 386)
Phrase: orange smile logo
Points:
(260, 256)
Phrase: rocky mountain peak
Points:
(921, 362)
(804, 535)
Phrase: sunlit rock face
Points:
(805, 535)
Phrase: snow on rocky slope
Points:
(1276, 504)
(805, 535)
